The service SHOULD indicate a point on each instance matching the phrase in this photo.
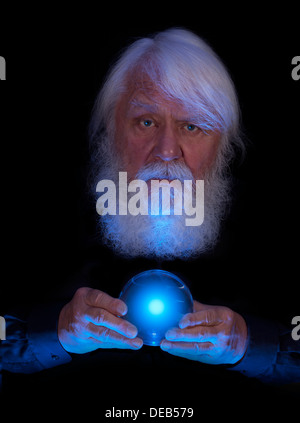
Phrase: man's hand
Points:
(91, 320)
(212, 335)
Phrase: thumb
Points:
(200, 306)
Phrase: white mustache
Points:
(165, 170)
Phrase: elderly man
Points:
(168, 108)
(167, 111)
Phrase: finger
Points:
(100, 317)
(108, 338)
(96, 298)
(192, 334)
(209, 317)
(187, 348)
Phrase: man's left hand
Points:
(211, 334)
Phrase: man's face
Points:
(152, 128)
(156, 138)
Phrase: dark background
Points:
(56, 62)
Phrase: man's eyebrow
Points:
(154, 107)
(137, 104)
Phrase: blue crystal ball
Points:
(156, 302)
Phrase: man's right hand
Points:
(91, 320)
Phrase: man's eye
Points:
(191, 128)
(147, 123)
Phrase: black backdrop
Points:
(56, 61)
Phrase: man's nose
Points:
(167, 147)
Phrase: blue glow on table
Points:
(156, 301)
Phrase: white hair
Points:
(185, 69)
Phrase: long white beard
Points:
(164, 237)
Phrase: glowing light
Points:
(156, 301)
(156, 306)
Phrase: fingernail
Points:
(165, 345)
(184, 323)
(122, 309)
(131, 331)
(171, 334)
(137, 342)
